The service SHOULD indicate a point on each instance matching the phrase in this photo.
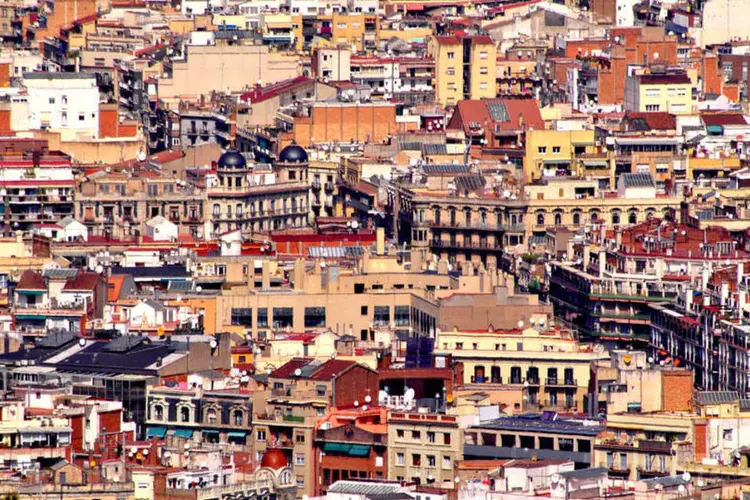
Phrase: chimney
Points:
(380, 240)
(299, 274)
(266, 278)
(442, 266)
(618, 237)
(416, 260)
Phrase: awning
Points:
(157, 432)
(29, 292)
(31, 316)
(237, 434)
(337, 447)
(184, 433)
(359, 450)
(210, 431)
(714, 129)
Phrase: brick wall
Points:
(363, 123)
(677, 390)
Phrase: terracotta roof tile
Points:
(31, 280)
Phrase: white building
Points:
(72, 230)
(161, 229)
(63, 102)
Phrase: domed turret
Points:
(293, 154)
(232, 159)
(274, 459)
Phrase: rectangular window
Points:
(542, 149)
(399, 459)
(451, 55)
(242, 316)
(402, 315)
(483, 70)
(283, 317)
(556, 149)
(446, 438)
(315, 317)
(262, 317)
(450, 71)
(446, 462)
(483, 55)
(382, 315)
(431, 461)
(416, 459)
(430, 437)
(260, 435)
(299, 460)
(652, 107)
(416, 435)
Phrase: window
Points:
(238, 418)
(299, 438)
(416, 459)
(81, 117)
(430, 437)
(315, 317)
(459, 346)
(262, 317)
(52, 100)
(399, 459)
(283, 317)
(451, 55)
(184, 414)
(446, 462)
(211, 416)
(652, 107)
(450, 71)
(382, 315)
(431, 461)
(299, 459)
(400, 433)
(483, 85)
(556, 149)
(242, 316)
(416, 435)
(446, 438)
(402, 315)
(542, 149)
(483, 55)
(158, 412)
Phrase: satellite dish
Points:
(213, 343)
(141, 156)
(355, 224)
(368, 399)
(520, 323)
(356, 404)
(82, 342)
(542, 321)
(409, 395)
(532, 321)
(297, 372)
(686, 477)
(650, 360)
(656, 56)
(145, 452)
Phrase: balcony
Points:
(466, 245)
(570, 382)
(329, 187)
(315, 184)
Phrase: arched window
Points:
(217, 210)
(437, 215)
(632, 218)
(576, 219)
(158, 412)
(184, 414)
(238, 418)
(558, 219)
(540, 219)
(211, 416)
(467, 216)
(615, 217)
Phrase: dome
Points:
(293, 154)
(232, 159)
(274, 459)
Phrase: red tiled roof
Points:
(147, 50)
(82, 281)
(269, 91)
(723, 119)
(665, 79)
(115, 283)
(658, 120)
(287, 370)
(448, 40)
(476, 111)
(330, 368)
(31, 280)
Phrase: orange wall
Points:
(363, 123)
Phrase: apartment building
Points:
(657, 89)
(37, 188)
(424, 448)
(352, 444)
(546, 436)
(239, 201)
(464, 68)
(609, 287)
(299, 395)
(118, 204)
(196, 413)
(549, 362)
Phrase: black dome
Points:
(232, 159)
(293, 154)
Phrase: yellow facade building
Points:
(551, 363)
(464, 68)
(659, 91)
(551, 150)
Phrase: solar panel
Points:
(55, 339)
(498, 111)
(548, 416)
